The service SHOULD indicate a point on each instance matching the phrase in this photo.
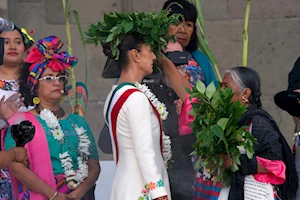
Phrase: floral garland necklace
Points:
(73, 178)
(162, 110)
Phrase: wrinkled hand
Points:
(178, 104)
(22, 156)
(74, 195)
(227, 161)
(10, 106)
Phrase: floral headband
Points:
(28, 40)
(47, 54)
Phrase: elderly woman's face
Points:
(229, 83)
(183, 32)
(51, 85)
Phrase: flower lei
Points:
(73, 178)
(162, 110)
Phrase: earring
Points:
(245, 100)
(62, 99)
(36, 100)
(138, 61)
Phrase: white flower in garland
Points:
(297, 139)
(160, 107)
(162, 110)
(58, 134)
(73, 178)
(167, 153)
(296, 135)
(49, 118)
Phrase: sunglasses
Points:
(52, 79)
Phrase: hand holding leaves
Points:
(215, 126)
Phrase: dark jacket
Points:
(272, 146)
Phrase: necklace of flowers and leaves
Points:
(162, 110)
(73, 178)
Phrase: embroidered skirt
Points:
(5, 185)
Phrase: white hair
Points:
(236, 79)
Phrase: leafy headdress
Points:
(152, 27)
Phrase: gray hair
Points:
(245, 77)
(236, 78)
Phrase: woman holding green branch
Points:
(272, 169)
(198, 68)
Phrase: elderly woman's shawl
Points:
(272, 146)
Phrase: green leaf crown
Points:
(153, 27)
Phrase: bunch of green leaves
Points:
(153, 27)
(215, 126)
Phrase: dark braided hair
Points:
(245, 77)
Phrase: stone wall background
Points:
(274, 36)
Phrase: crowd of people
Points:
(61, 161)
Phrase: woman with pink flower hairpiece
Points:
(63, 158)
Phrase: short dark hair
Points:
(189, 12)
(245, 77)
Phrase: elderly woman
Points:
(273, 162)
(62, 155)
(198, 68)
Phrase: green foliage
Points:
(216, 130)
(76, 16)
(203, 44)
(153, 27)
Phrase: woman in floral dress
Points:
(62, 155)
(16, 43)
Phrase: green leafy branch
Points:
(215, 126)
(245, 34)
(203, 44)
(153, 27)
(68, 11)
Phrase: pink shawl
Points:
(184, 117)
(276, 170)
(38, 153)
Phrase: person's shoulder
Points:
(264, 123)
(137, 96)
(200, 57)
(199, 53)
